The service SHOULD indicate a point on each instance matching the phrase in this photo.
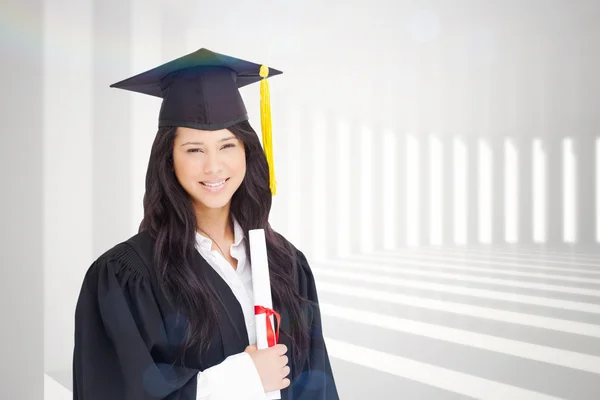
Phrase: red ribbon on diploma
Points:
(272, 336)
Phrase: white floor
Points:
(55, 391)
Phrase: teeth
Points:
(213, 184)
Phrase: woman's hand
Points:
(271, 364)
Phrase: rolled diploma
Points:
(261, 285)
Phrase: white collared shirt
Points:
(215, 383)
(240, 279)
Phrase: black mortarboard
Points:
(201, 90)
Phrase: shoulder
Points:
(128, 260)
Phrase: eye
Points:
(194, 151)
(228, 145)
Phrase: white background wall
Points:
(484, 68)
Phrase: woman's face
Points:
(209, 165)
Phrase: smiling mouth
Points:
(214, 184)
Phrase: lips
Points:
(214, 185)
(214, 182)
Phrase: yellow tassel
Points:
(265, 119)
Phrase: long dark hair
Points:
(170, 220)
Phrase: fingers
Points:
(284, 360)
(251, 349)
(285, 383)
(286, 371)
(281, 349)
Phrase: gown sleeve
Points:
(117, 325)
(316, 382)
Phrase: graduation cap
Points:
(201, 90)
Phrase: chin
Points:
(214, 206)
(212, 203)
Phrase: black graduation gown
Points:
(126, 347)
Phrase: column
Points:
(21, 166)
(524, 145)
(112, 118)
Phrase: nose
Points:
(212, 163)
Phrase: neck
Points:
(215, 223)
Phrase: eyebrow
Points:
(201, 143)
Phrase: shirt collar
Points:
(205, 243)
(238, 232)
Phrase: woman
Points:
(168, 314)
